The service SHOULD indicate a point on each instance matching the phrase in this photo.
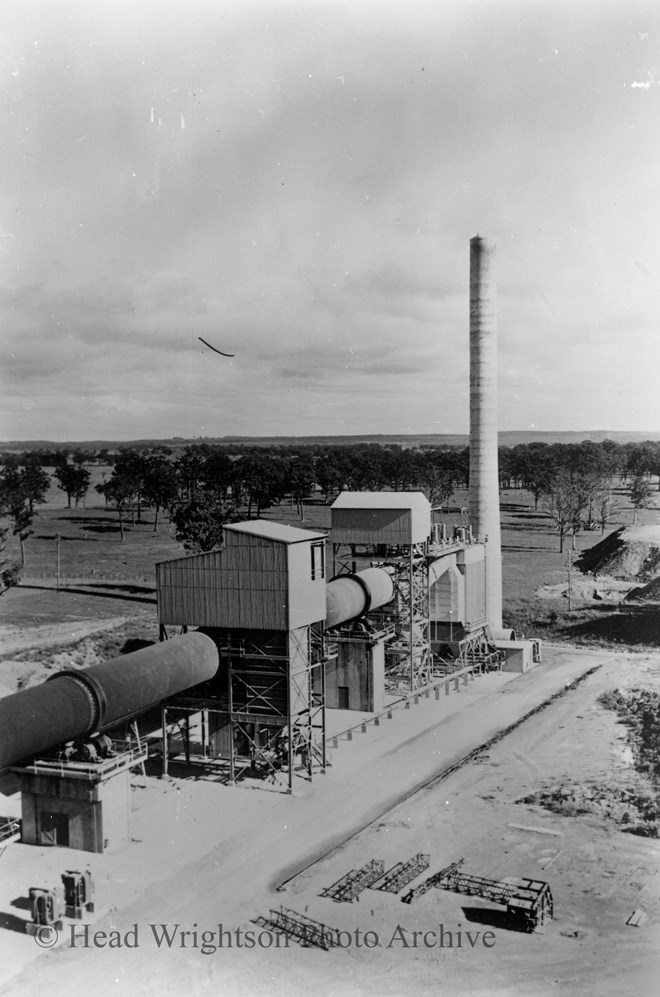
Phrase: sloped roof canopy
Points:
(274, 531)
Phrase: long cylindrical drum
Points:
(350, 596)
(73, 704)
(39, 718)
(139, 680)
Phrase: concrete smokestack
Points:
(484, 478)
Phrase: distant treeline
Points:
(203, 486)
(377, 465)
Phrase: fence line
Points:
(87, 579)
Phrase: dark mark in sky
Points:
(214, 349)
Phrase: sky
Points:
(297, 183)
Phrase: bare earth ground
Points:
(216, 854)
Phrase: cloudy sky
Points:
(298, 183)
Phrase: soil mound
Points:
(631, 552)
(635, 810)
(646, 593)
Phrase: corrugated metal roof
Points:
(381, 500)
(274, 531)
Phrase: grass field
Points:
(123, 572)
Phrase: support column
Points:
(164, 726)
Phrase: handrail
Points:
(415, 694)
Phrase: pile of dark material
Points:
(631, 552)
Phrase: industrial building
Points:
(262, 637)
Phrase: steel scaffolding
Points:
(272, 703)
(408, 659)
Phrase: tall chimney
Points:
(484, 478)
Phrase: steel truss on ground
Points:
(431, 881)
(302, 929)
(403, 873)
(528, 901)
(346, 889)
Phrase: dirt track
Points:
(13, 640)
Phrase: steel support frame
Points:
(410, 659)
(477, 648)
(298, 676)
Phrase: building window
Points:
(318, 561)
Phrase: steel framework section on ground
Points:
(303, 929)
(346, 889)
(403, 873)
(529, 901)
(430, 882)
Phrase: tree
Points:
(72, 479)
(605, 508)
(505, 466)
(399, 469)
(438, 477)
(262, 478)
(563, 501)
(29, 481)
(592, 469)
(217, 471)
(199, 522)
(120, 493)
(15, 501)
(19, 511)
(331, 470)
(131, 467)
(160, 486)
(9, 570)
(36, 483)
(299, 479)
(640, 494)
(367, 468)
(534, 465)
(190, 471)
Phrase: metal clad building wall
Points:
(244, 585)
(257, 593)
(306, 595)
(399, 518)
(372, 526)
(447, 597)
(475, 593)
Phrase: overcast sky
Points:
(298, 183)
